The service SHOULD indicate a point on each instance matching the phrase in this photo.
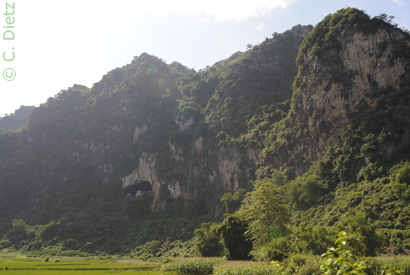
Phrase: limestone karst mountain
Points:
(154, 141)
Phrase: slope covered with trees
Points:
(316, 118)
(85, 153)
(344, 143)
(16, 120)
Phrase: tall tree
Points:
(266, 209)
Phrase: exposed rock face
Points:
(152, 137)
(199, 176)
(198, 144)
(372, 57)
(144, 172)
(340, 81)
(185, 132)
(371, 68)
(183, 121)
(229, 168)
(263, 78)
(199, 167)
(139, 131)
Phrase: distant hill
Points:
(17, 120)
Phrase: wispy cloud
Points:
(400, 2)
(226, 10)
(260, 26)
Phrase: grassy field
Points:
(75, 266)
(23, 265)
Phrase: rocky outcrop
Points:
(138, 131)
(183, 121)
(368, 60)
(229, 168)
(192, 136)
(200, 176)
(343, 74)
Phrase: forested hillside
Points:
(15, 121)
(315, 117)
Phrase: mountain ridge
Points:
(152, 140)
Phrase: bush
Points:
(5, 244)
(387, 266)
(313, 240)
(303, 264)
(193, 267)
(305, 191)
(362, 237)
(340, 260)
(248, 270)
(209, 243)
(373, 266)
(70, 244)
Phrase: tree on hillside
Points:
(385, 18)
(266, 210)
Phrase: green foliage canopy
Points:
(209, 244)
(232, 230)
(266, 209)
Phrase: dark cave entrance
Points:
(137, 188)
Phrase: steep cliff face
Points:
(259, 78)
(202, 162)
(146, 128)
(348, 65)
(369, 63)
(154, 139)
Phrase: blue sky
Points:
(59, 43)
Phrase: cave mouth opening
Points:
(137, 188)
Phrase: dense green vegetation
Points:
(60, 175)
(357, 185)
(250, 86)
(235, 138)
(16, 120)
(337, 260)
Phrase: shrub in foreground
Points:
(248, 270)
(340, 260)
(193, 267)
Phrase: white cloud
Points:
(76, 41)
(398, 2)
(226, 10)
(260, 26)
